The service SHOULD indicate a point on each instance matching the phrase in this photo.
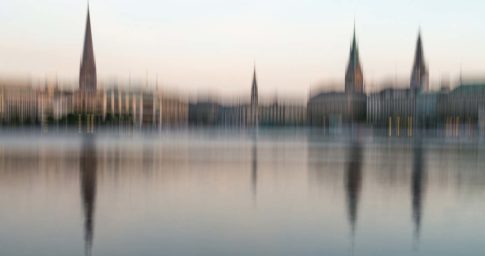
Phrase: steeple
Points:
(419, 75)
(254, 89)
(87, 74)
(355, 54)
(354, 80)
(254, 115)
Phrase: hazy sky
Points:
(211, 45)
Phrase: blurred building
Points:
(122, 107)
(427, 109)
(19, 103)
(2, 100)
(171, 111)
(144, 108)
(235, 114)
(392, 108)
(282, 114)
(481, 120)
(148, 105)
(88, 103)
(331, 109)
(400, 110)
(335, 109)
(253, 113)
(22, 103)
(205, 113)
(61, 104)
(456, 110)
(212, 113)
(460, 108)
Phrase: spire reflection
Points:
(254, 169)
(418, 186)
(87, 169)
(353, 181)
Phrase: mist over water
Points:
(227, 192)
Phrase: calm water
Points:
(282, 192)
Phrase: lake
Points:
(240, 192)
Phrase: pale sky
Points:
(211, 45)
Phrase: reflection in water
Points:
(353, 181)
(148, 159)
(87, 168)
(417, 186)
(198, 192)
(254, 169)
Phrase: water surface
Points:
(222, 192)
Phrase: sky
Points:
(212, 45)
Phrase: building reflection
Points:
(148, 160)
(324, 162)
(353, 181)
(418, 185)
(87, 169)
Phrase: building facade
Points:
(333, 109)
(459, 110)
(401, 110)
(145, 108)
(19, 104)
(286, 114)
(393, 109)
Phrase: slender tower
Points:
(419, 75)
(254, 101)
(87, 74)
(354, 79)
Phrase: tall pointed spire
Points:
(87, 74)
(254, 88)
(419, 75)
(354, 79)
(354, 41)
(254, 117)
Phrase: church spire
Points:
(419, 75)
(354, 42)
(254, 118)
(354, 82)
(254, 88)
(87, 74)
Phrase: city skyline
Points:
(220, 75)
